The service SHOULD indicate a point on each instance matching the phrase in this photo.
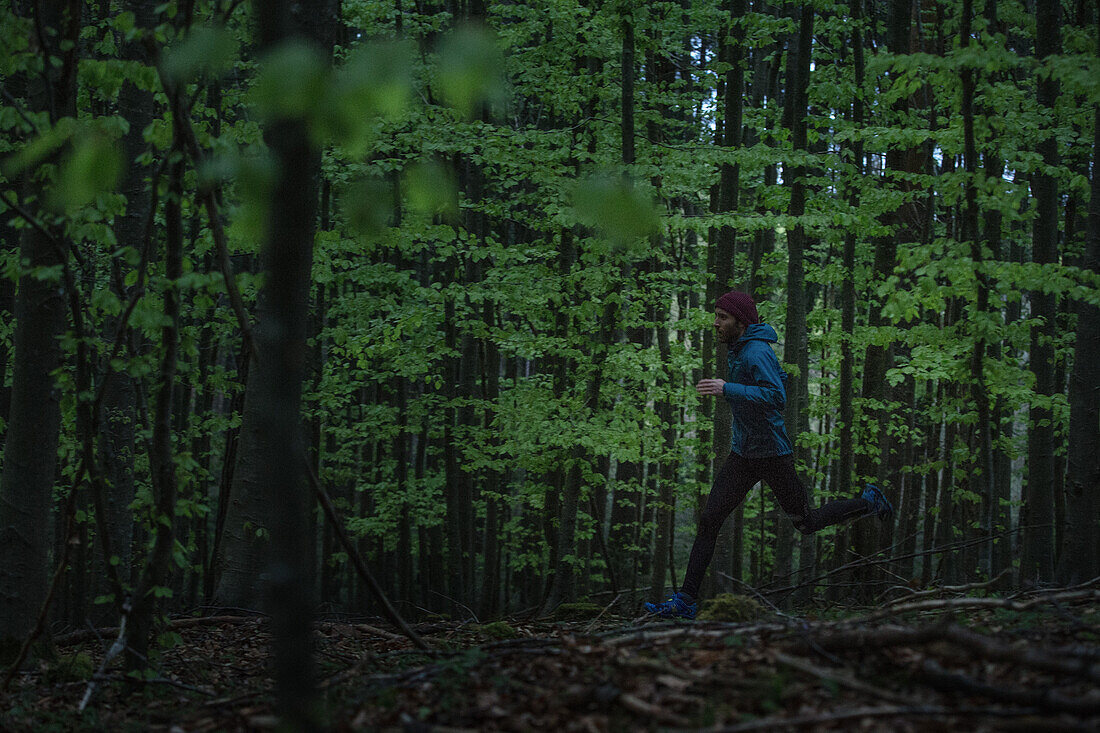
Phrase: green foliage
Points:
(72, 667)
(498, 630)
(205, 51)
(468, 71)
(478, 209)
(580, 611)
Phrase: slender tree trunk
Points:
(979, 392)
(795, 346)
(1080, 557)
(162, 466)
(866, 535)
(1037, 564)
(30, 449)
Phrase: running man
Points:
(755, 389)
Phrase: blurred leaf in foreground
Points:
(207, 51)
(367, 205)
(374, 83)
(432, 189)
(291, 82)
(92, 167)
(622, 212)
(470, 70)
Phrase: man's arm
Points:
(768, 389)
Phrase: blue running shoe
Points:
(678, 606)
(880, 505)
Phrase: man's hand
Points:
(710, 387)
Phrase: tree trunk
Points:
(795, 346)
(161, 464)
(30, 449)
(979, 392)
(1037, 564)
(1080, 558)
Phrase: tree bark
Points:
(1037, 563)
(30, 449)
(249, 517)
(1080, 557)
(795, 346)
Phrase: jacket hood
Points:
(758, 332)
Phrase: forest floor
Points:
(930, 662)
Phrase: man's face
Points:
(727, 329)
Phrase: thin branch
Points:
(29, 218)
(357, 560)
(841, 679)
(113, 652)
(18, 108)
(948, 588)
(1052, 700)
(969, 602)
(778, 722)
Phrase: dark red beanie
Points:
(739, 305)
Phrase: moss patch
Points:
(498, 630)
(730, 607)
(580, 611)
(75, 667)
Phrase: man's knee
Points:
(802, 524)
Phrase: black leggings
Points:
(733, 482)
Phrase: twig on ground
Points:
(886, 711)
(948, 589)
(601, 613)
(1029, 655)
(759, 595)
(841, 678)
(1052, 700)
(639, 706)
(971, 602)
(473, 616)
(155, 681)
(114, 651)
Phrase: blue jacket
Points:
(756, 392)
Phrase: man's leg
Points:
(783, 480)
(733, 481)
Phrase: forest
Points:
(349, 351)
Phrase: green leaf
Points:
(207, 51)
(292, 80)
(469, 71)
(374, 83)
(612, 204)
(432, 189)
(93, 167)
(367, 205)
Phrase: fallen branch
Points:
(841, 679)
(1052, 700)
(776, 722)
(357, 560)
(1030, 656)
(948, 589)
(648, 710)
(601, 613)
(759, 595)
(872, 638)
(114, 651)
(879, 558)
(970, 602)
(76, 637)
(642, 635)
